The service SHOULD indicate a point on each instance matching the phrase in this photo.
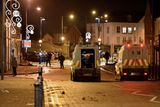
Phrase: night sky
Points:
(52, 10)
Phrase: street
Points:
(60, 91)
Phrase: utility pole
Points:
(2, 39)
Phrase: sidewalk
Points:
(24, 70)
(16, 92)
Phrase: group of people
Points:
(61, 59)
(14, 63)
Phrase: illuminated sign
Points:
(88, 36)
(26, 43)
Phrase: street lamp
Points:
(41, 20)
(71, 16)
(40, 39)
(38, 8)
(62, 38)
(94, 12)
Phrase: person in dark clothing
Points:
(106, 56)
(14, 66)
(61, 59)
(48, 59)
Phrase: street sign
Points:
(26, 43)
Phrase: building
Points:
(114, 34)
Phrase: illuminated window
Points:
(118, 29)
(134, 28)
(129, 29)
(124, 30)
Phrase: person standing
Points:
(106, 56)
(14, 66)
(48, 60)
(61, 59)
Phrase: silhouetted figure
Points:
(48, 59)
(14, 66)
(61, 59)
(106, 56)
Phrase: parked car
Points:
(35, 56)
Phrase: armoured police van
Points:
(85, 63)
(132, 62)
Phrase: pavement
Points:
(18, 91)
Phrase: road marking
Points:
(153, 99)
(50, 94)
(139, 93)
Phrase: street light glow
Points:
(71, 16)
(38, 8)
(99, 39)
(40, 41)
(105, 15)
(62, 38)
(93, 12)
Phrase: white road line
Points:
(153, 99)
(139, 93)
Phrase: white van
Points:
(132, 62)
(85, 63)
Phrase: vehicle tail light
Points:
(128, 45)
(141, 45)
(145, 73)
(124, 73)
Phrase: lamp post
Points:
(41, 21)
(98, 20)
(40, 38)
(71, 16)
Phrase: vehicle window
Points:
(87, 58)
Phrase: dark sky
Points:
(52, 10)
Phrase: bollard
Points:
(38, 99)
(40, 70)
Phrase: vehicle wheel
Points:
(118, 76)
(98, 78)
(73, 77)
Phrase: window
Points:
(134, 28)
(138, 53)
(124, 40)
(118, 40)
(87, 58)
(124, 30)
(130, 30)
(118, 29)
